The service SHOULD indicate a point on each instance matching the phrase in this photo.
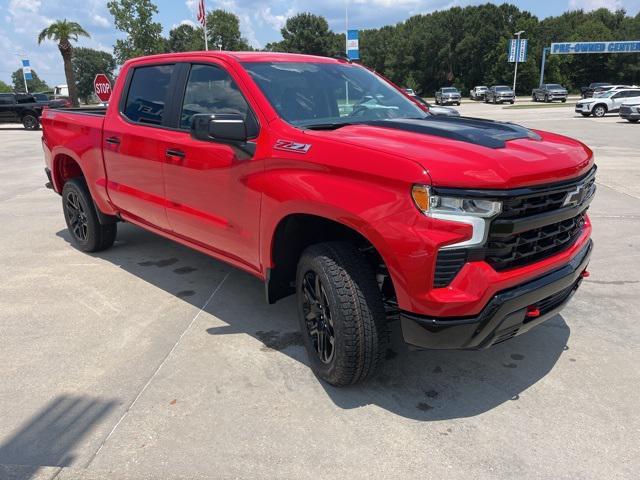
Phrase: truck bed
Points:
(100, 111)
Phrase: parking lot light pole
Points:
(515, 72)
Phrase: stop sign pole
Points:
(102, 87)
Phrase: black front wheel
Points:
(87, 233)
(341, 313)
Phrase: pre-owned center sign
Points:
(569, 48)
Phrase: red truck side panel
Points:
(69, 136)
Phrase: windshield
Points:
(554, 85)
(503, 89)
(607, 94)
(450, 90)
(306, 94)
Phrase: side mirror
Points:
(221, 127)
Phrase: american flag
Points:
(202, 14)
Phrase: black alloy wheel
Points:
(319, 321)
(81, 216)
(30, 122)
(76, 216)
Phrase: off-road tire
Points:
(93, 236)
(357, 312)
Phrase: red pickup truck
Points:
(324, 180)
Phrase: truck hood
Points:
(472, 153)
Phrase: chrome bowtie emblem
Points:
(575, 197)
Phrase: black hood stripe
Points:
(487, 133)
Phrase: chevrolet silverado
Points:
(323, 180)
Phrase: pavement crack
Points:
(157, 370)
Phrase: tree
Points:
(87, 63)
(36, 84)
(4, 88)
(64, 33)
(223, 31)
(135, 18)
(185, 38)
(307, 33)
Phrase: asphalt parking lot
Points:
(150, 360)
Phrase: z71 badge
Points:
(289, 146)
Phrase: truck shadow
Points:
(421, 385)
(49, 438)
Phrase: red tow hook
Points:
(532, 311)
(585, 274)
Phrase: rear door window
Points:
(148, 94)
(8, 99)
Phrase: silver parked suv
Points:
(448, 95)
(500, 94)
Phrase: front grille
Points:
(624, 109)
(524, 248)
(504, 250)
(510, 251)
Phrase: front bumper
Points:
(584, 108)
(630, 115)
(506, 314)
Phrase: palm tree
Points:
(64, 33)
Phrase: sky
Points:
(260, 21)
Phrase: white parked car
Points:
(608, 102)
(611, 88)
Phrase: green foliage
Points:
(63, 32)
(185, 38)
(87, 63)
(467, 46)
(223, 31)
(310, 34)
(4, 88)
(35, 85)
(135, 18)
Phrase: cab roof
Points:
(246, 57)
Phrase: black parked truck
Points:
(20, 108)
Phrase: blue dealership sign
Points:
(353, 45)
(26, 70)
(571, 48)
(518, 50)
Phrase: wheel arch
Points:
(65, 167)
(296, 231)
(24, 113)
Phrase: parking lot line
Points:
(155, 373)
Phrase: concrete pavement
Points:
(150, 360)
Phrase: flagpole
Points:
(206, 41)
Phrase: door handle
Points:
(113, 140)
(171, 152)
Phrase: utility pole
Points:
(515, 72)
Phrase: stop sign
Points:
(102, 87)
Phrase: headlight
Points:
(473, 211)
